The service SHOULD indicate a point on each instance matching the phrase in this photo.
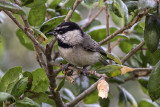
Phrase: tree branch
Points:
(25, 31)
(92, 19)
(69, 15)
(132, 52)
(135, 20)
(84, 94)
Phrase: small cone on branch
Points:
(103, 88)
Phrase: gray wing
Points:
(91, 45)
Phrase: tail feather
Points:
(103, 61)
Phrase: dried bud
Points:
(126, 69)
(103, 88)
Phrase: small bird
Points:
(77, 47)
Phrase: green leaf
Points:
(92, 98)
(144, 83)
(114, 58)
(101, 3)
(151, 32)
(51, 24)
(120, 10)
(1, 46)
(155, 57)
(30, 79)
(60, 85)
(36, 3)
(40, 81)
(125, 97)
(20, 87)
(37, 15)
(26, 102)
(68, 4)
(132, 5)
(147, 103)
(111, 70)
(117, 80)
(43, 98)
(143, 4)
(76, 17)
(25, 41)
(5, 96)
(54, 4)
(104, 102)
(11, 7)
(9, 79)
(26, 2)
(126, 45)
(154, 81)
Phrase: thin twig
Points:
(132, 52)
(142, 69)
(25, 31)
(69, 15)
(135, 20)
(92, 19)
(107, 30)
(83, 94)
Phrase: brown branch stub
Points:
(135, 20)
(83, 94)
(132, 52)
(69, 15)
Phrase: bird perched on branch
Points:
(76, 46)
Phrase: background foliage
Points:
(30, 88)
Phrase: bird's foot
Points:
(84, 71)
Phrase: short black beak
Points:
(51, 33)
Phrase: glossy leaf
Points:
(76, 17)
(11, 7)
(111, 70)
(20, 87)
(43, 98)
(119, 11)
(143, 4)
(132, 6)
(92, 98)
(154, 81)
(155, 57)
(30, 79)
(125, 97)
(114, 58)
(1, 46)
(26, 102)
(117, 80)
(90, 3)
(26, 2)
(40, 81)
(147, 103)
(68, 4)
(9, 79)
(144, 83)
(61, 84)
(51, 24)
(36, 3)
(25, 41)
(54, 4)
(5, 96)
(37, 15)
(151, 32)
(104, 102)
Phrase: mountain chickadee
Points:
(76, 46)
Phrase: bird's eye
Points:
(60, 32)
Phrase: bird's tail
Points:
(103, 61)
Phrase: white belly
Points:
(78, 56)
